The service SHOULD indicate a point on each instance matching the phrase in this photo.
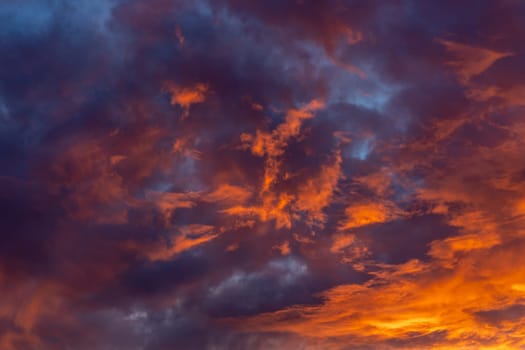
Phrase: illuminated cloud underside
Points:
(236, 174)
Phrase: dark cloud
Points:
(399, 241)
(511, 313)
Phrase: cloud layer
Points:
(304, 174)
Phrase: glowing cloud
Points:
(241, 174)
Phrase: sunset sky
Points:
(258, 175)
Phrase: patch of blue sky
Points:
(370, 93)
(348, 87)
(361, 149)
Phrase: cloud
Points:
(261, 174)
(187, 96)
(471, 61)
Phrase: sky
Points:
(277, 174)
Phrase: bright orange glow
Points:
(187, 96)
(367, 214)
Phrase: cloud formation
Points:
(233, 174)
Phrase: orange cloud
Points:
(169, 201)
(283, 207)
(513, 96)
(317, 192)
(229, 193)
(181, 146)
(272, 145)
(415, 299)
(187, 96)
(283, 248)
(187, 237)
(470, 61)
(369, 213)
(273, 207)
(341, 241)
